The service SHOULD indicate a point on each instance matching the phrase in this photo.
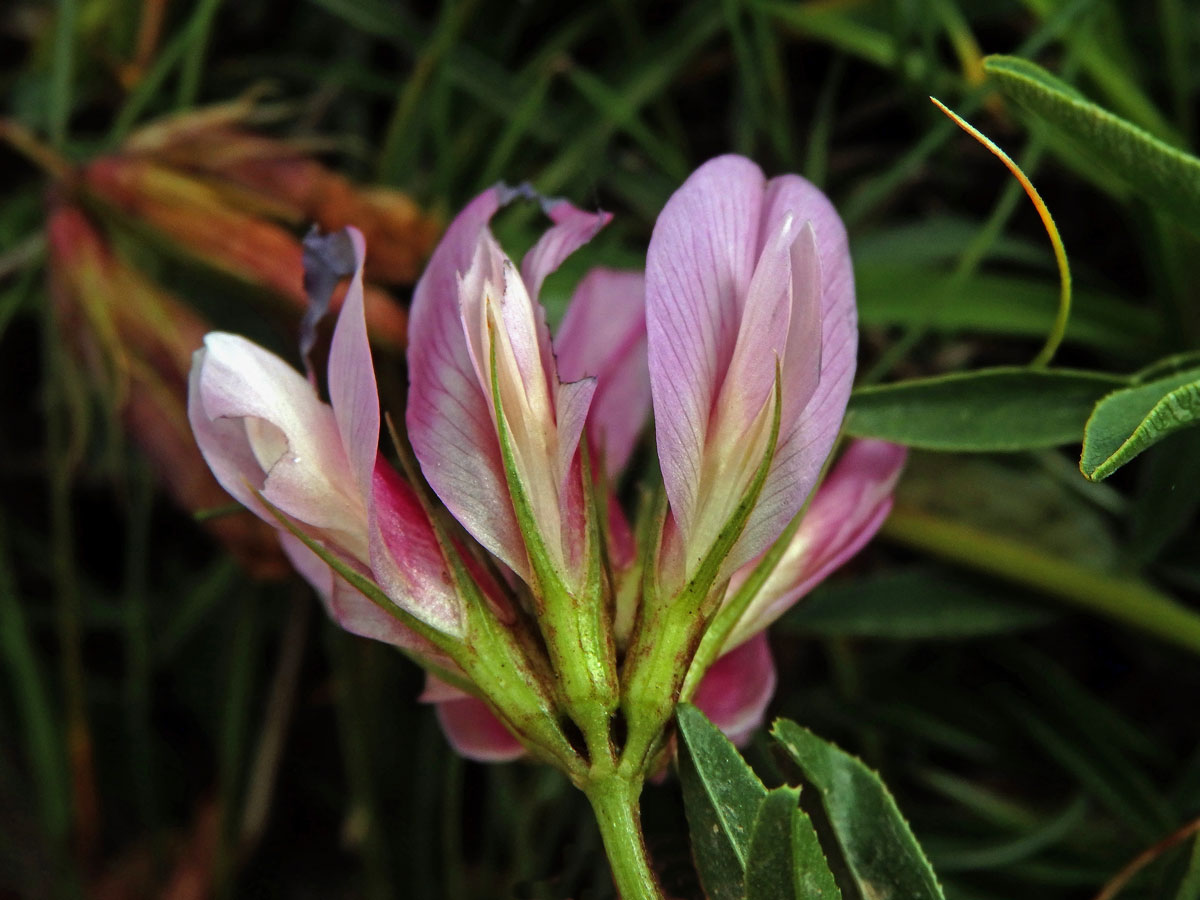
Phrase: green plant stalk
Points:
(614, 799)
(1120, 598)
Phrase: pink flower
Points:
(477, 328)
(744, 275)
(262, 428)
(742, 332)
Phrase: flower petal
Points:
(701, 257)
(573, 227)
(260, 425)
(350, 609)
(352, 389)
(406, 559)
(603, 335)
(311, 567)
(474, 731)
(804, 446)
(847, 510)
(449, 417)
(574, 401)
(736, 689)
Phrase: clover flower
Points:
(506, 565)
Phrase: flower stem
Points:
(614, 800)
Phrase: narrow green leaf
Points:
(1114, 595)
(913, 605)
(191, 36)
(840, 30)
(1168, 365)
(1015, 497)
(62, 72)
(1128, 421)
(1026, 844)
(1164, 176)
(721, 796)
(878, 846)
(1002, 409)
(786, 860)
(376, 18)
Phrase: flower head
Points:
(526, 593)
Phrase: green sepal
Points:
(532, 712)
(528, 712)
(502, 666)
(732, 609)
(668, 634)
(574, 624)
(699, 586)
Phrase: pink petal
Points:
(544, 434)
(225, 447)
(259, 424)
(803, 448)
(352, 389)
(849, 506)
(765, 332)
(525, 333)
(701, 257)
(475, 733)
(736, 689)
(622, 547)
(573, 227)
(438, 691)
(404, 554)
(350, 609)
(574, 401)
(472, 284)
(311, 567)
(480, 288)
(603, 335)
(449, 417)
(406, 559)
(715, 330)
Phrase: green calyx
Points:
(669, 634)
(574, 615)
(487, 653)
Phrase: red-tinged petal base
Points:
(735, 691)
(474, 731)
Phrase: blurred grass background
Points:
(170, 727)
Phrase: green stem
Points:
(614, 800)
(1121, 598)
